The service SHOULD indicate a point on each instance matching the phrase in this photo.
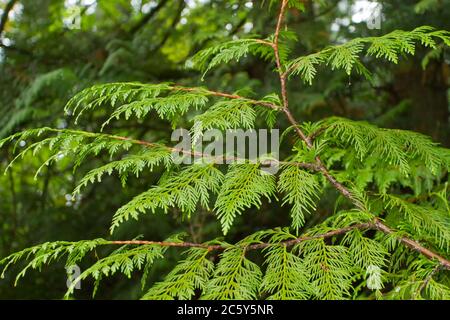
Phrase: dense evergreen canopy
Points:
(93, 89)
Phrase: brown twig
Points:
(414, 245)
(276, 49)
(229, 96)
(257, 246)
(283, 75)
(167, 244)
(375, 225)
(426, 281)
(196, 154)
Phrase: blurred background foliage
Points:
(47, 55)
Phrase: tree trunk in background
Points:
(427, 92)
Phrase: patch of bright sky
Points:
(361, 11)
(91, 4)
(72, 17)
(149, 6)
(136, 4)
(15, 12)
(249, 4)
(248, 26)
(194, 3)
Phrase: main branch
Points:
(375, 225)
(378, 225)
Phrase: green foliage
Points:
(167, 108)
(184, 189)
(137, 99)
(301, 191)
(426, 5)
(244, 186)
(291, 4)
(72, 144)
(146, 159)
(235, 277)
(48, 252)
(189, 275)
(330, 268)
(425, 222)
(207, 59)
(346, 56)
(305, 67)
(286, 277)
(124, 260)
(296, 269)
(365, 252)
(391, 146)
(421, 283)
(49, 88)
(224, 115)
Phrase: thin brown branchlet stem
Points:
(426, 281)
(196, 154)
(228, 96)
(215, 159)
(282, 74)
(414, 245)
(379, 225)
(256, 246)
(166, 244)
(375, 225)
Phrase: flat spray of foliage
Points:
(379, 243)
